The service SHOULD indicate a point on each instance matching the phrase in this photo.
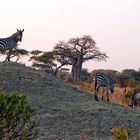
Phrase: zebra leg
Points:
(103, 94)
(102, 98)
(107, 94)
(96, 98)
(132, 104)
(108, 100)
(95, 90)
(107, 97)
(7, 57)
(96, 95)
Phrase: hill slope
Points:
(62, 110)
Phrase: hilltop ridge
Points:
(63, 110)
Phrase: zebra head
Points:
(112, 84)
(19, 35)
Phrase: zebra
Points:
(105, 81)
(10, 42)
(135, 103)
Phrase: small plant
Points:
(15, 117)
(138, 135)
(120, 133)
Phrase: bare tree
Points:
(77, 51)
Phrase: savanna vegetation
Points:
(63, 98)
(15, 117)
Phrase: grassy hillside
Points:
(63, 111)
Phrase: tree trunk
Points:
(73, 69)
(76, 69)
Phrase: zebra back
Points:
(103, 79)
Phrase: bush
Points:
(121, 133)
(132, 83)
(15, 117)
(123, 80)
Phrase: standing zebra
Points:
(105, 81)
(11, 42)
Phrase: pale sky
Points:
(113, 24)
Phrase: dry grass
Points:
(117, 97)
(63, 111)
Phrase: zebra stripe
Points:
(105, 81)
(3, 43)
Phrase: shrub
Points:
(123, 80)
(132, 83)
(15, 117)
(121, 133)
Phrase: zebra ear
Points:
(22, 30)
(17, 30)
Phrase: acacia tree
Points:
(77, 51)
(14, 53)
(34, 54)
(48, 62)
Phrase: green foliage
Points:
(36, 52)
(46, 57)
(47, 62)
(132, 73)
(129, 71)
(123, 80)
(15, 117)
(120, 133)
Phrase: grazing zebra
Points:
(105, 81)
(10, 42)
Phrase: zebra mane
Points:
(14, 34)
